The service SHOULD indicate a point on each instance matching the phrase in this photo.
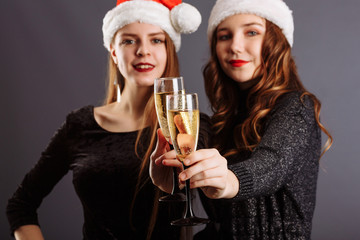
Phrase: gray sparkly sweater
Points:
(276, 197)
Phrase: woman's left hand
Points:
(208, 170)
(161, 161)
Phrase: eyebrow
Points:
(254, 23)
(244, 25)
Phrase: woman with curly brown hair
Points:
(259, 181)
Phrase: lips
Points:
(238, 63)
(144, 67)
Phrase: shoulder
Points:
(294, 100)
(295, 103)
(82, 113)
(81, 117)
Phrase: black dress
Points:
(105, 171)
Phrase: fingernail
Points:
(186, 161)
(182, 176)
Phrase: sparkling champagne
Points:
(184, 129)
(160, 104)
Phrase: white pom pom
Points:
(185, 18)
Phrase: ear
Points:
(113, 54)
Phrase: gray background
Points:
(52, 61)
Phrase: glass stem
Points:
(175, 188)
(189, 212)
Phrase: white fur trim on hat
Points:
(276, 11)
(183, 18)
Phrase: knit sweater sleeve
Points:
(39, 181)
(291, 132)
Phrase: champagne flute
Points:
(163, 87)
(183, 121)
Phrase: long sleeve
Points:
(290, 141)
(204, 131)
(51, 167)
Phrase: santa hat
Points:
(172, 16)
(276, 11)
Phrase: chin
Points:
(146, 83)
(240, 76)
(241, 79)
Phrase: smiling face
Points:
(238, 45)
(139, 51)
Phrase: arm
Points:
(28, 232)
(52, 166)
(288, 135)
(291, 140)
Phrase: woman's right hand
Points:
(208, 170)
(161, 161)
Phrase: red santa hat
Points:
(172, 16)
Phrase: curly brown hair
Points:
(278, 76)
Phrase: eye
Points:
(158, 41)
(252, 33)
(224, 37)
(128, 42)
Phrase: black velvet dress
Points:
(105, 171)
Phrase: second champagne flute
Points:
(162, 88)
(184, 119)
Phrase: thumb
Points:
(162, 145)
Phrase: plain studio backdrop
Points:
(52, 61)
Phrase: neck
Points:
(249, 84)
(134, 100)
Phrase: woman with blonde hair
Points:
(107, 147)
(259, 180)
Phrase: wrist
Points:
(232, 186)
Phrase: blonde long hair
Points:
(279, 76)
(149, 117)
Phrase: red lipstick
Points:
(238, 63)
(143, 67)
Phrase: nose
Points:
(143, 49)
(237, 44)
